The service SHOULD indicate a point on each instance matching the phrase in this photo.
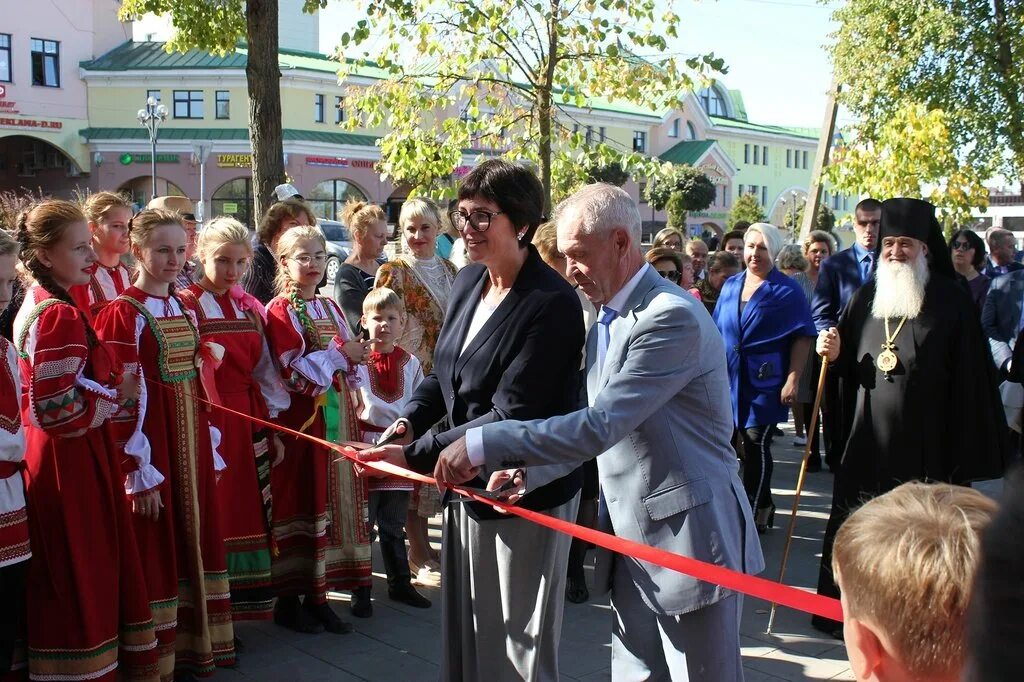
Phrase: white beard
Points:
(899, 288)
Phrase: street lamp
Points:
(152, 116)
(794, 195)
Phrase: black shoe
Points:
(407, 594)
(576, 590)
(827, 626)
(239, 645)
(813, 467)
(764, 519)
(288, 613)
(362, 607)
(326, 616)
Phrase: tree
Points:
(912, 155)
(680, 189)
(218, 27)
(520, 72)
(938, 92)
(748, 208)
(824, 220)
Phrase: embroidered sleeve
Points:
(309, 373)
(120, 326)
(274, 392)
(63, 401)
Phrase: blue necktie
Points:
(603, 337)
(867, 267)
(604, 333)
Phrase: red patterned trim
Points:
(10, 400)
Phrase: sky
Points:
(774, 50)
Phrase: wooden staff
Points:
(811, 428)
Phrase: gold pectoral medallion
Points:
(887, 360)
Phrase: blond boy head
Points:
(905, 562)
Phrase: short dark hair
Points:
(733, 234)
(722, 259)
(664, 253)
(740, 226)
(976, 242)
(514, 188)
(868, 205)
(294, 208)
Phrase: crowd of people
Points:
(185, 381)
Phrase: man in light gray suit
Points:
(659, 422)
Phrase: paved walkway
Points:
(403, 644)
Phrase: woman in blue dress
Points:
(767, 328)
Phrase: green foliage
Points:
(679, 189)
(748, 208)
(611, 173)
(936, 87)
(507, 77)
(824, 219)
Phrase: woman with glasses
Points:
(509, 349)
(369, 227)
(766, 324)
(968, 252)
(674, 266)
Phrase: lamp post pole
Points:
(151, 117)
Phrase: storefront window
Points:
(234, 198)
(328, 198)
(140, 189)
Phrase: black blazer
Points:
(522, 364)
(838, 279)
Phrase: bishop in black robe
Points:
(936, 416)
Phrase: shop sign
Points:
(30, 123)
(128, 159)
(230, 208)
(234, 160)
(710, 214)
(338, 162)
(7, 106)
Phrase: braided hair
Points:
(41, 227)
(288, 287)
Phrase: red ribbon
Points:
(750, 585)
(208, 364)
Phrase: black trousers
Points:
(387, 511)
(12, 611)
(758, 465)
(815, 458)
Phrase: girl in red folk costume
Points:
(176, 522)
(246, 381)
(108, 214)
(319, 505)
(87, 614)
(14, 545)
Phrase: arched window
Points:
(234, 198)
(691, 132)
(712, 101)
(328, 198)
(140, 190)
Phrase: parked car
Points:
(339, 245)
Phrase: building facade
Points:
(80, 132)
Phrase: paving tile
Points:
(790, 666)
(311, 670)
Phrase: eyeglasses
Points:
(671, 275)
(479, 219)
(306, 260)
(961, 246)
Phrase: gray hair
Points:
(601, 208)
(791, 257)
(772, 237)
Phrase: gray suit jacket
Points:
(660, 424)
(1001, 315)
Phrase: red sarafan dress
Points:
(88, 616)
(320, 505)
(104, 286)
(14, 544)
(182, 551)
(245, 381)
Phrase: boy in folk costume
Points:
(14, 543)
(177, 521)
(319, 506)
(388, 381)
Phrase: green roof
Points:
(152, 55)
(736, 97)
(688, 152)
(723, 122)
(140, 133)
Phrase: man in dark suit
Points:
(1002, 251)
(1001, 316)
(840, 276)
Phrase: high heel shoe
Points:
(764, 519)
